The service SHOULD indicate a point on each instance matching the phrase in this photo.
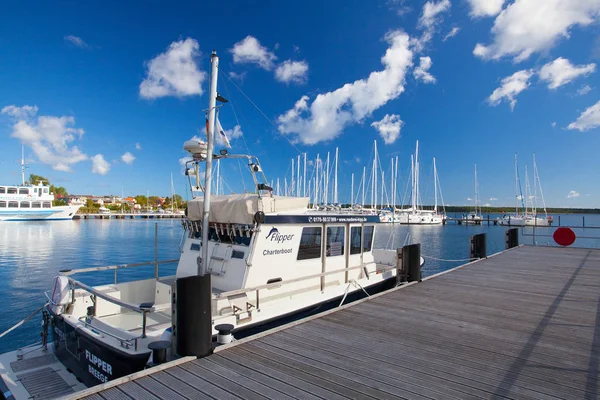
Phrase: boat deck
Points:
(524, 324)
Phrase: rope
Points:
(441, 259)
(23, 321)
(261, 111)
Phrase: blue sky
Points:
(473, 80)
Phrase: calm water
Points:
(32, 253)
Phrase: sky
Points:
(102, 95)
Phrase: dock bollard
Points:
(512, 238)
(193, 326)
(478, 246)
(411, 262)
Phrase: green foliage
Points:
(89, 204)
(37, 179)
(59, 190)
(59, 203)
(141, 200)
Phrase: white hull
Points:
(421, 219)
(536, 221)
(42, 214)
(512, 221)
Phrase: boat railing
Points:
(115, 268)
(257, 289)
(125, 342)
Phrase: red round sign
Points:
(564, 236)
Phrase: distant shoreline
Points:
(506, 210)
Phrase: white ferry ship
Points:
(32, 203)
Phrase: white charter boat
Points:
(269, 258)
(28, 202)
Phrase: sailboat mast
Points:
(395, 182)
(534, 188)
(417, 175)
(535, 171)
(412, 183)
(335, 179)
(516, 187)
(203, 266)
(435, 190)
(364, 182)
(293, 181)
(304, 180)
(352, 191)
(375, 175)
(476, 194)
(382, 186)
(317, 181)
(298, 177)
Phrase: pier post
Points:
(411, 262)
(478, 246)
(512, 238)
(192, 329)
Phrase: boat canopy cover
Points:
(240, 208)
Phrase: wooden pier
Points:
(524, 324)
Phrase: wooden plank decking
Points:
(524, 324)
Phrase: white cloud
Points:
(452, 33)
(572, 194)
(560, 72)
(237, 76)
(431, 10)
(493, 199)
(292, 71)
(249, 50)
(430, 17)
(327, 116)
(174, 72)
(19, 112)
(100, 165)
(128, 158)
(553, 124)
(183, 160)
(487, 205)
(422, 71)
(589, 119)
(584, 90)
(485, 8)
(138, 146)
(469, 199)
(511, 86)
(389, 128)
(529, 26)
(49, 137)
(76, 41)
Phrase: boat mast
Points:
(298, 181)
(395, 183)
(375, 176)
(535, 171)
(527, 189)
(293, 181)
(335, 179)
(352, 191)
(435, 185)
(412, 182)
(172, 193)
(317, 181)
(304, 179)
(476, 191)
(364, 182)
(516, 187)
(382, 187)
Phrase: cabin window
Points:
(25, 204)
(335, 241)
(36, 204)
(195, 247)
(13, 204)
(368, 238)
(2, 204)
(355, 233)
(11, 190)
(46, 190)
(47, 204)
(310, 244)
(23, 191)
(237, 254)
(2, 190)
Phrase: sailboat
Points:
(415, 214)
(234, 246)
(533, 219)
(516, 219)
(474, 218)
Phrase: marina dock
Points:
(523, 324)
